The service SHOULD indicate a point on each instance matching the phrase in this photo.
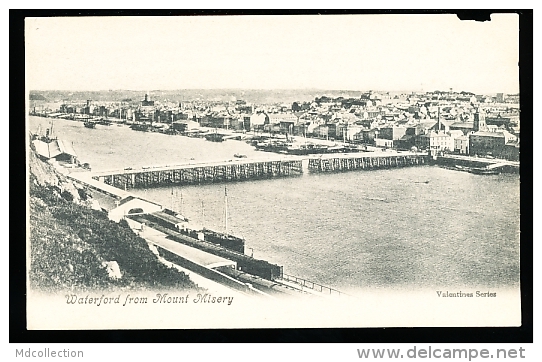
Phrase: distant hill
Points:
(37, 97)
(258, 96)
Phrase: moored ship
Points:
(140, 127)
(474, 170)
(483, 171)
(214, 137)
(179, 223)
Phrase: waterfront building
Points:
(185, 125)
(406, 142)
(287, 127)
(493, 143)
(435, 141)
(461, 145)
(347, 131)
(277, 118)
(67, 108)
(244, 121)
(392, 132)
(510, 151)
(258, 119)
(382, 142)
(101, 111)
(333, 129)
(217, 120)
(367, 135)
(130, 115)
(321, 131)
(57, 150)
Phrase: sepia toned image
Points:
(266, 171)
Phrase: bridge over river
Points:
(246, 169)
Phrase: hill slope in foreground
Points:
(73, 247)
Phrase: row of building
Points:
(438, 137)
(438, 121)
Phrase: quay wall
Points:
(257, 267)
(506, 167)
(339, 164)
(448, 161)
(208, 273)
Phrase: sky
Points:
(342, 52)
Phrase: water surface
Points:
(402, 228)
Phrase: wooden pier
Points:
(200, 173)
(338, 164)
(239, 170)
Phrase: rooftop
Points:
(54, 148)
(488, 134)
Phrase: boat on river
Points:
(214, 137)
(140, 127)
(483, 171)
(474, 170)
(307, 149)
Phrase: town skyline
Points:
(417, 53)
(390, 91)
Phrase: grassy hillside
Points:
(72, 245)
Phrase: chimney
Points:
(438, 119)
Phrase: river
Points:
(394, 229)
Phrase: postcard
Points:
(272, 171)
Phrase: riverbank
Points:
(73, 247)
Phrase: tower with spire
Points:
(147, 102)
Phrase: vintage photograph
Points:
(272, 171)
